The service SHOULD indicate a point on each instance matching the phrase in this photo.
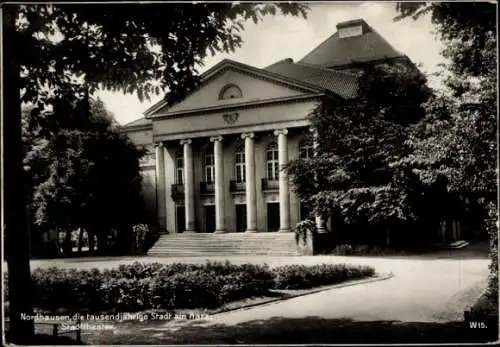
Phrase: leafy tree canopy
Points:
(141, 49)
(458, 139)
(357, 140)
(86, 175)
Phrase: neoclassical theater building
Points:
(215, 157)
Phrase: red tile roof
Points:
(341, 83)
(336, 52)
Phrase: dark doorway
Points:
(241, 218)
(180, 217)
(209, 219)
(273, 216)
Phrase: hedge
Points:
(141, 286)
(302, 276)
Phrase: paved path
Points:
(420, 291)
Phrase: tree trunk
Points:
(80, 240)
(91, 236)
(17, 240)
(101, 243)
(68, 246)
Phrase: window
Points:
(230, 91)
(240, 165)
(179, 170)
(306, 150)
(209, 170)
(272, 163)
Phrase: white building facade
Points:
(216, 157)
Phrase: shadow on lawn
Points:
(303, 331)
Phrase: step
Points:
(205, 244)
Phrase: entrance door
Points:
(180, 217)
(273, 216)
(209, 219)
(241, 218)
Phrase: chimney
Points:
(352, 28)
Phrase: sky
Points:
(279, 37)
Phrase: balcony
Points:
(207, 188)
(268, 184)
(177, 191)
(237, 186)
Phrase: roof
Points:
(263, 73)
(340, 83)
(138, 123)
(335, 51)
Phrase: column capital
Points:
(216, 138)
(280, 132)
(186, 141)
(249, 135)
(158, 144)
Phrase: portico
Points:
(216, 178)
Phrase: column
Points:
(284, 191)
(320, 222)
(251, 196)
(160, 187)
(219, 185)
(189, 205)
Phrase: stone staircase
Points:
(205, 244)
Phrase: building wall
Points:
(231, 199)
(142, 137)
(264, 117)
(149, 189)
(261, 119)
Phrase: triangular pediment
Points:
(230, 83)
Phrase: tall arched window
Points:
(272, 163)
(231, 91)
(306, 149)
(239, 164)
(209, 166)
(179, 168)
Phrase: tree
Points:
(56, 54)
(357, 141)
(458, 138)
(85, 176)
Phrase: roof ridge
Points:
(317, 67)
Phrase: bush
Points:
(142, 286)
(304, 228)
(302, 277)
(343, 250)
(141, 234)
(364, 250)
(148, 286)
